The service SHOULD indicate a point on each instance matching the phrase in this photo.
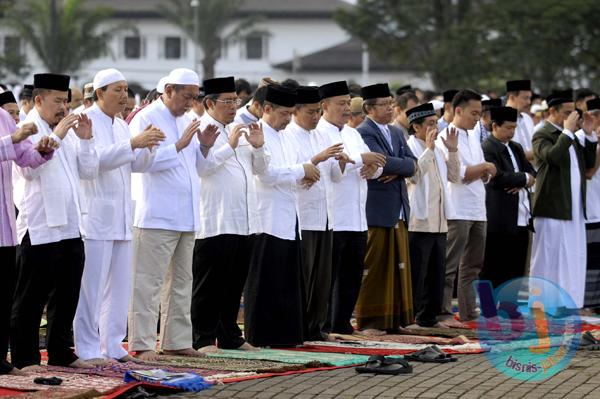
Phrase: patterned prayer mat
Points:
(294, 356)
(440, 332)
(401, 338)
(386, 348)
(71, 381)
(217, 364)
(59, 393)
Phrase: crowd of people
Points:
(316, 204)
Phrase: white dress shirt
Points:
(524, 131)
(349, 197)
(107, 208)
(524, 211)
(313, 201)
(169, 190)
(228, 197)
(242, 115)
(276, 187)
(467, 200)
(592, 196)
(48, 197)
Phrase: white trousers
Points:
(162, 279)
(101, 319)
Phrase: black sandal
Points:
(589, 342)
(381, 365)
(431, 354)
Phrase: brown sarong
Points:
(385, 299)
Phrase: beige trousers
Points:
(162, 279)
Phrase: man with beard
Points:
(101, 318)
(228, 221)
(50, 257)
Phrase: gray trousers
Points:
(464, 254)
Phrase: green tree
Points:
(204, 23)
(64, 33)
(463, 43)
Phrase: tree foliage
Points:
(64, 33)
(213, 17)
(463, 43)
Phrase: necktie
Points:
(388, 136)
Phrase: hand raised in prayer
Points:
(188, 135)
(28, 129)
(329, 152)
(571, 121)
(368, 170)
(208, 136)
(46, 145)
(150, 137)
(430, 137)
(374, 158)
(451, 140)
(387, 178)
(66, 123)
(255, 135)
(235, 134)
(83, 129)
(311, 172)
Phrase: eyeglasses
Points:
(386, 104)
(236, 102)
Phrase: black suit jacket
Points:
(502, 207)
(384, 200)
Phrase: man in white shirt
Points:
(228, 221)
(252, 112)
(101, 319)
(50, 256)
(467, 226)
(273, 299)
(197, 109)
(448, 113)
(317, 238)
(347, 205)
(167, 215)
(518, 96)
(25, 101)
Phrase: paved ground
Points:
(471, 376)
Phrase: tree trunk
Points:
(208, 66)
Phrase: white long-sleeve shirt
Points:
(524, 131)
(169, 190)
(349, 196)
(276, 187)
(228, 196)
(48, 198)
(467, 199)
(107, 207)
(312, 202)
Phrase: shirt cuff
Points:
(358, 162)
(54, 137)
(298, 171)
(7, 148)
(593, 138)
(258, 151)
(87, 145)
(569, 134)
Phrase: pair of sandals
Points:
(589, 342)
(396, 365)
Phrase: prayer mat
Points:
(404, 339)
(293, 356)
(440, 332)
(71, 381)
(61, 393)
(224, 364)
(386, 348)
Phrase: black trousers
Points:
(220, 268)
(349, 249)
(7, 259)
(428, 274)
(505, 256)
(274, 294)
(46, 274)
(316, 270)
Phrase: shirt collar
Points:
(325, 124)
(161, 107)
(212, 121)
(381, 127)
(96, 110)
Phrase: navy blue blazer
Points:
(384, 200)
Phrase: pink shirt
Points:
(23, 154)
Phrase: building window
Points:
(173, 47)
(255, 47)
(133, 47)
(12, 45)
